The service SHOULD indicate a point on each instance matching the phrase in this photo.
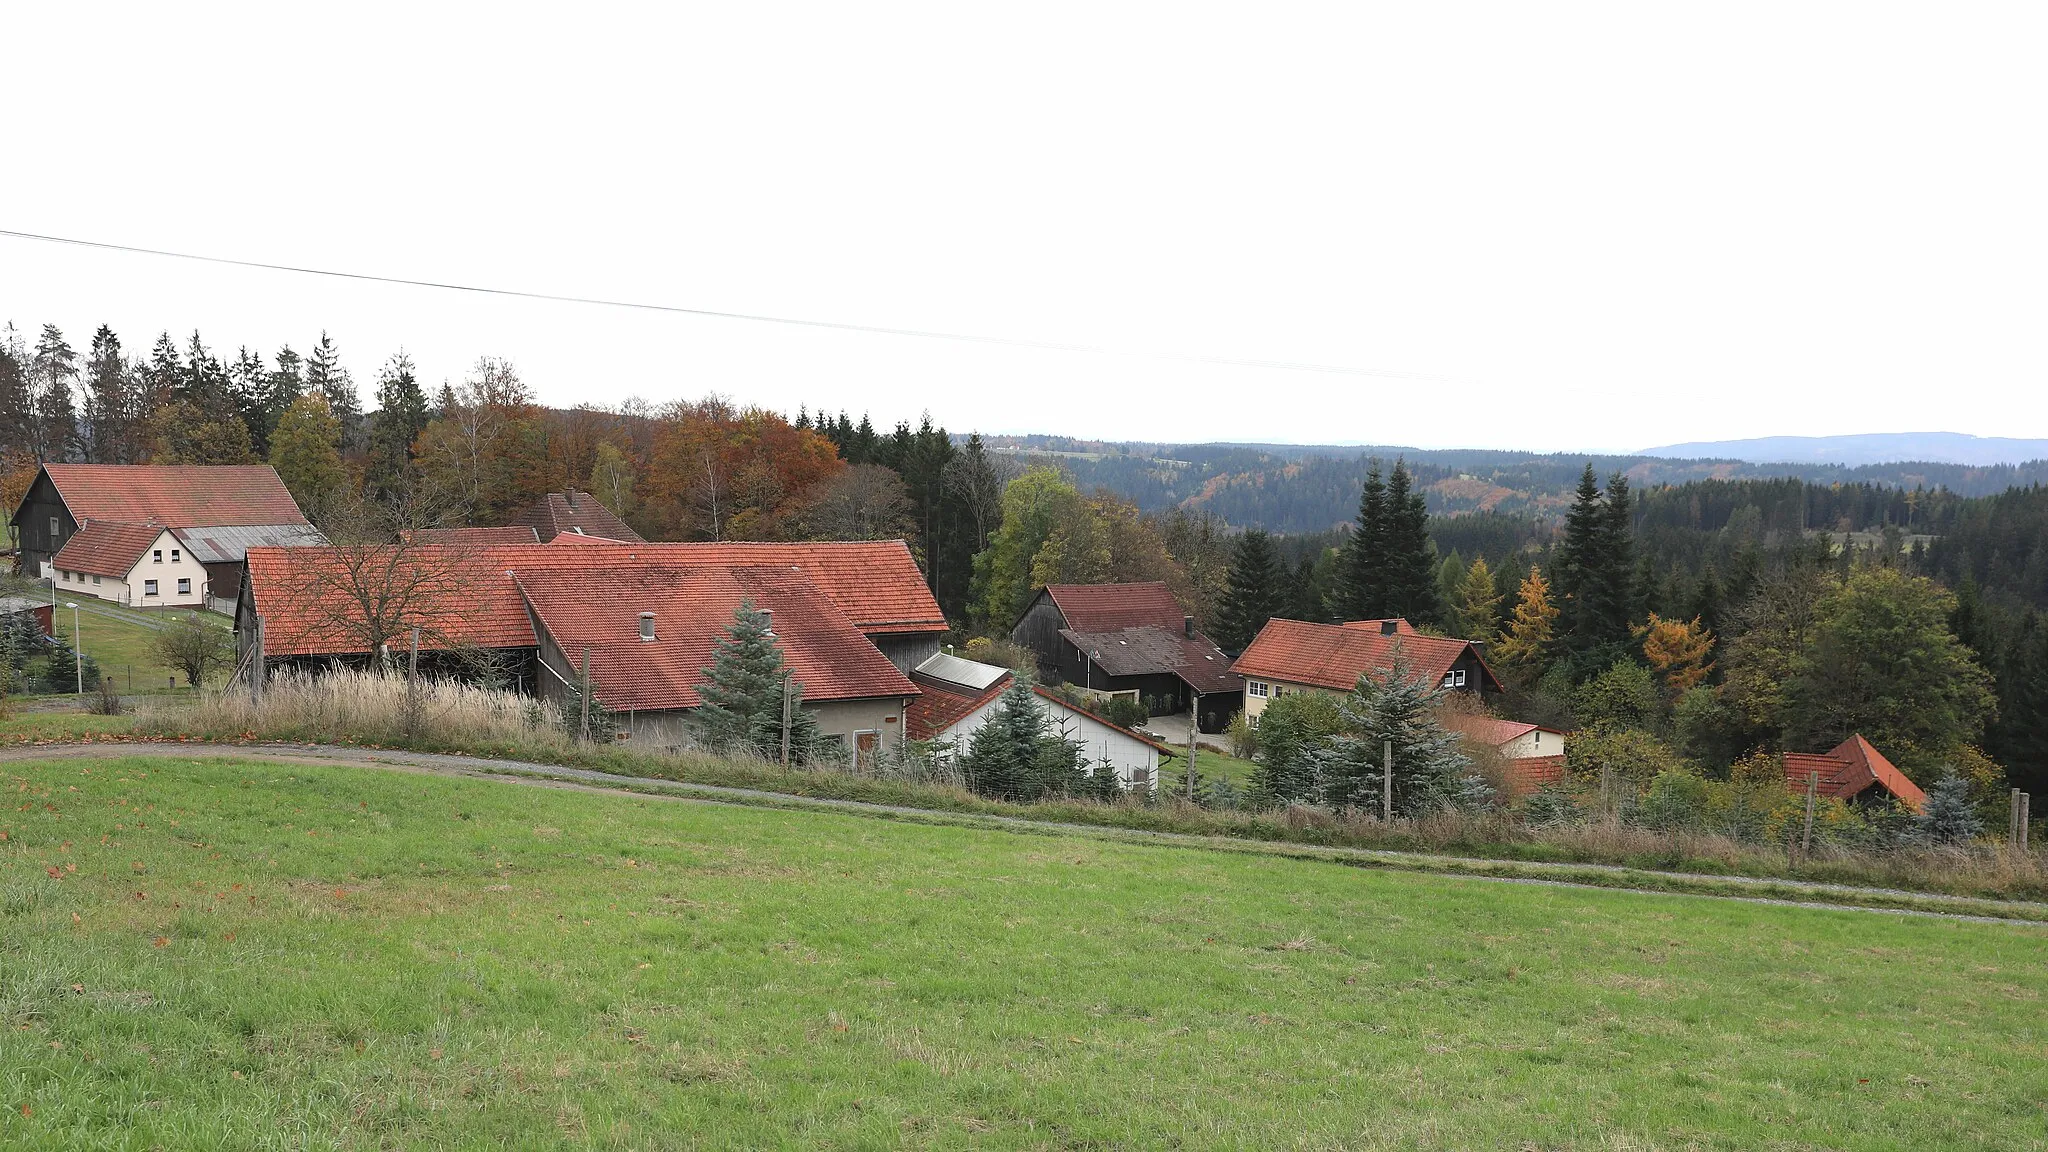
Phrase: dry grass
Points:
(370, 708)
(348, 706)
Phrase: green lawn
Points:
(249, 955)
(123, 646)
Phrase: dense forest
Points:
(1295, 489)
(1676, 613)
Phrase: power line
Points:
(961, 337)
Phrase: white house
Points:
(1512, 738)
(959, 696)
(144, 565)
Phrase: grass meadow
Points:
(210, 953)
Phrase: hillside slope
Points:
(1867, 448)
(209, 953)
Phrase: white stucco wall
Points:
(130, 590)
(1538, 743)
(1133, 758)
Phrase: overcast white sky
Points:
(1585, 227)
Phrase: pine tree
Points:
(1525, 651)
(1948, 816)
(53, 374)
(2019, 736)
(1255, 593)
(744, 680)
(1624, 586)
(1709, 602)
(395, 427)
(1104, 783)
(1362, 566)
(1410, 570)
(206, 385)
(1478, 604)
(306, 451)
(161, 378)
(325, 374)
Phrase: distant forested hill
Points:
(1871, 448)
(1311, 488)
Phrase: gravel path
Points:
(1768, 891)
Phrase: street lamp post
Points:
(77, 647)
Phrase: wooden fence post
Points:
(2012, 821)
(786, 718)
(1386, 780)
(1806, 837)
(2026, 817)
(412, 687)
(255, 669)
(583, 724)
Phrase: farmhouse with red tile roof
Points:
(1513, 739)
(1130, 640)
(1291, 656)
(649, 616)
(1852, 770)
(95, 528)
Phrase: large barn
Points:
(153, 535)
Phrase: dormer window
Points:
(647, 626)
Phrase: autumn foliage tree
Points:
(1677, 651)
(719, 472)
(1531, 634)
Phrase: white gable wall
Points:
(176, 564)
(1134, 759)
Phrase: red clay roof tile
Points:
(693, 610)
(1334, 656)
(575, 514)
(472, 537)
(106, 548)
(175, 495)
(1850, 769)
(1114, 607)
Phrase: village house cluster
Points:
(567, 594)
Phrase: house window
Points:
(1141, 777)
(1454, 679)
(149, 587)
(1255, 688)
(56, 528)
(95, 579)
(1539, 740)
(174, 555)
(157, 556)
(184, 587)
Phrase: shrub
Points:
(1676, 802)
(1624, 696)
(1123, 711)
(106, 700)
(1244, 739)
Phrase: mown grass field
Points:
(202, 953)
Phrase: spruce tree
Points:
(1256, 592)
(53, 372)
(161, 378)
(1410, 580)
(324, 372)
(110, 415)
(400, 418)
(1430, 772)
(1621, 581)
(744, 680)
(1362, 566)
(1002, 756)
(249, 383)
(2019, 736)
(17, 405)
(1305, 599)
(1948, 817)
(1575, 568)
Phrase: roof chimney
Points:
(767, 620)
(1187, 625)
(1389, 627)
(570, 496)
(647, 625)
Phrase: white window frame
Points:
(1255, 688)
(149, 588)
(156, 556)
(174, 555)
(56, 528)
(184, 585)
(95, 579)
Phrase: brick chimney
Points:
(1187, 624)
